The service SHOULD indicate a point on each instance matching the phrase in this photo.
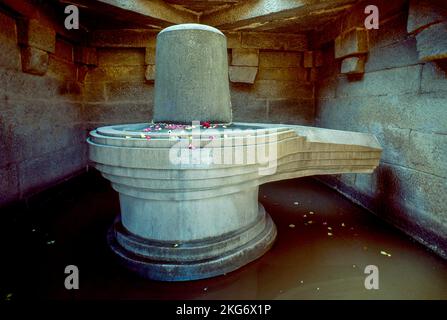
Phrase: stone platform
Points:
(189, 203)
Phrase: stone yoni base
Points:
(192, 260)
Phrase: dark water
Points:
(305, 262)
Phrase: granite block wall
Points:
(402, 99)
(41, 127)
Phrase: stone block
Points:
(116, 73)
(129, 91)
(8, 43)
(34, 34)
(245, 57)
(318, 58)
(352, 42)
(399, 54)
(234, 40)
(34, 61)
(94, 91)
(291, 111)
(428, 152)
(312, 74)
(432, 42)
(271, 59)
(40, 173)
(149, 74)
(81, 73)
(415, 189)
(61, 69)
(308, 59)
(424, 113)
(353, 65)
(245, 107)
(274, 41)
(312, 59)
(123, 38)
(149, 56)
(114, 113)
(39, 127)
(289, 74)
(423, 13)
(274, 89)
(64, 50)
(86, 55)
(434, 77)
(121, 57)
(19, 85)
(326, 88)
(382, 82)
(239, 74)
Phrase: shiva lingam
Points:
(188, 181)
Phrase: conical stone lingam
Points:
(188, 181)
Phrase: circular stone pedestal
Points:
(191, 260)
(187, 220)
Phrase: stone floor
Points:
(67, 225)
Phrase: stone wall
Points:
(41, 128)
(402, 99)
(116, 91)
(120, 88)
(281, 92)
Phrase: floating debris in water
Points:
(384, 253)
(301, 281)
(318, 289)
(291, 225)
(354, 266)
(175, 245)
(127, 137)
